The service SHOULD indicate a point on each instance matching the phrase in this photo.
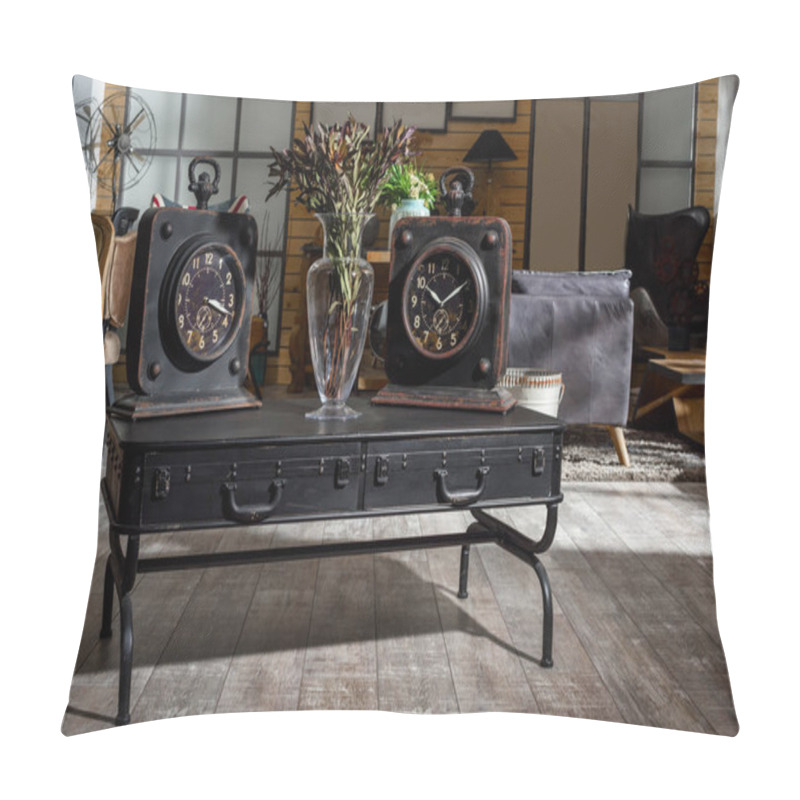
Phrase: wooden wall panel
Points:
(556, 185)
(611, 182)
(437, 152)
(705, 165)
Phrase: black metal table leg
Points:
(108, 600)
(463, 573)
(121, 574)
(547, 612)
(526, 549)
(125, 659)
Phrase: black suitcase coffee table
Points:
(233, 468)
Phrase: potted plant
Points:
(339, 173)
(409, 191)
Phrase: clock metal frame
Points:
(166, 377)
(467, 376)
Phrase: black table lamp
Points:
(490, 146)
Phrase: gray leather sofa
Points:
(581, 325)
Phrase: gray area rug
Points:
(589, 455)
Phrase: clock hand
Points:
(433, 294)
(453, 293)
(217, 306)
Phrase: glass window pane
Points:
(425, 116)
(166, 108)
(668, 124)
(252, 179)
(663, 189)
(265, 124)
(210, 123)
(160, 177)
(333, 113)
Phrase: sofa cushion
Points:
(595, 283)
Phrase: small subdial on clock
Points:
(206, 303)
(440, 304)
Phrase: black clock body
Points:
(188, 322)
(447, 314)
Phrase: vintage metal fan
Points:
(118, 137)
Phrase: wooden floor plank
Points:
(652, 625)
(191, 671)
(485, 665)
(572, 687)
(267, 668)
(635, 627)
(340, 668)
(413, 668)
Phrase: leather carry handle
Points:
(250, 514)
(463, 497)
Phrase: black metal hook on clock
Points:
(203, 187)
(458, 197)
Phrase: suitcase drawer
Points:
(249, 485)
(457, 472)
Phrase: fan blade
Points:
(135, 122)
(108, 153)
(130, 160)
(105, 119)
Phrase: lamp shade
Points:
(490, 146)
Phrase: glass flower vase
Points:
(339, 297)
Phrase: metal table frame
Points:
(123, 565)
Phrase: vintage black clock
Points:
(447, 315)
(191, 302)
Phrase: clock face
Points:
(207, 301)
(441, 300)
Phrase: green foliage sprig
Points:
(338, 168)
(407, 181)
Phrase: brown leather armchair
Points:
(115, 255)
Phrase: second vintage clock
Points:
(447, 316)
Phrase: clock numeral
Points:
(195, 262)
(414, 301)
(202, 343)
(209, 258)
(180, 321)
(230, 300)
(453, 339)
(421, 282)
(439, 344)
(228, 279)
(417, 322)
(225, 322)
(215, 336)
(185, 281)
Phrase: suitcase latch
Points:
(161, 483)
(538, 460)
(341, 475)
(381, 471)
